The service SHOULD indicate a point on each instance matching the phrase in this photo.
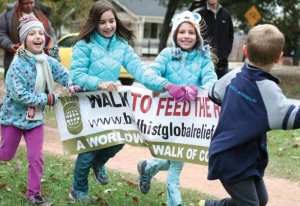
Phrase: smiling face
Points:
(27, 6)
(107, 24)
(35, 41)
(186, 37)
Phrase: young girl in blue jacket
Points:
(180, 70)
(103, 46)
(30, 87)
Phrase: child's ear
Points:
(245, 51)
(278, 58)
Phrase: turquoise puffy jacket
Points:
(101, 59)
(194, 68)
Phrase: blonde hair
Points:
(264, 44)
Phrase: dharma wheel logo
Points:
(72, 114)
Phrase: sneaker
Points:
(79, 196)
(201, 203)
(100, 175)
(38, 200)
(144, 182)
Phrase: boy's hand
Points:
(108, 86)
(176, 91)
(73, 89)
(191, 92)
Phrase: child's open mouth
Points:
(37, 43)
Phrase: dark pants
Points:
(86, 160)
(222, 70)
(248, 192)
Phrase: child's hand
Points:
(108, 86)
(176, 91)
(155, 94)
(52, 99)
(73, 88)
(191, 92)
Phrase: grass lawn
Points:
(284, 152)
(283, 147)
(58, 177)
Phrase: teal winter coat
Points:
(194, 68)
(101, 59)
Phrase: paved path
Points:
(281, 191)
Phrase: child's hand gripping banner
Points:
(176, 131)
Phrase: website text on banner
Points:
(175, 131)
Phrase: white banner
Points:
(176, 131)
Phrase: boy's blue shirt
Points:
(251, 104)
(20, 83)
(101, 59)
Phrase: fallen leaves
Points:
(101, 200)
(2, 185)
(136, 199)
(131, 184)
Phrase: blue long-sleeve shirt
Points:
(251, 104)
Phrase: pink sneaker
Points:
(38, 200)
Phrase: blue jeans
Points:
(84, 162)
(174, 169)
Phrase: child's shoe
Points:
(144, 182)
(79, 196)
(201, 203)
(100, 175)
(38, 200)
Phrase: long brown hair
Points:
(98, 8)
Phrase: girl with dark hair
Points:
(102, 47)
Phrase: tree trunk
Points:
(165, 30)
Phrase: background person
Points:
(218, 33)
(9, 23)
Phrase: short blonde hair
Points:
(264, 44)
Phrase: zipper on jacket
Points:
(183, 64)
(109, 44)
(185, 61)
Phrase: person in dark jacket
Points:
(218, 32)
(9, 23)
(251, 105)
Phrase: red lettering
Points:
(196, 105)
(207, 107)
(184, 112)
(169, 106)
(135, 96)
(217, 110)
(146, 97)
(177, 106)
(202, 107)
(160, 105)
